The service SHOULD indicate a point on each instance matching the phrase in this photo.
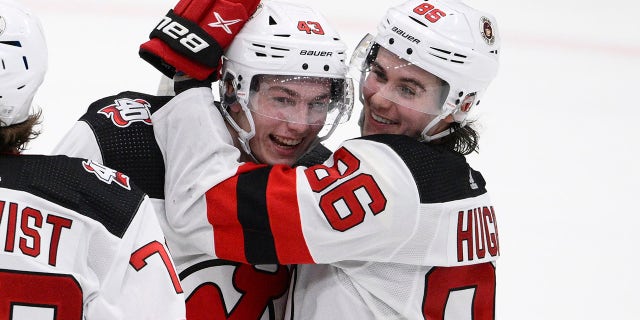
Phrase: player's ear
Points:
(229, 96)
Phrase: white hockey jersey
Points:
(79, 241)
(387, 228)
(118, 131)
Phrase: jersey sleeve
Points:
(345, 209)
(142, 282)
(198, 153)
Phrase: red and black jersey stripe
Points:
(257, 217)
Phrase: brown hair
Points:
(15, 138)
(463, 140)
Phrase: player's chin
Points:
(287, 161)
(285, 156)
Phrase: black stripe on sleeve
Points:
(253, 216)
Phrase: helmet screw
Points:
(460, 94)
(391, 41)
(239, 78)
(409, 51)
(305, 66)
(326, 67)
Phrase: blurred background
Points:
(558, 143)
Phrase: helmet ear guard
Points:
(23, 53)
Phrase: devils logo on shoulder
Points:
(107, 175)
(126, 111)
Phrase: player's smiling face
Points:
(288, 116)
(399, 98)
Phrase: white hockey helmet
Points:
(449, 39)
(295, 43)
(23, 55)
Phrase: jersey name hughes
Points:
(477, 234)
(28, 231)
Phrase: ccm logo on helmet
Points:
(316, 53)
(176, 31)
(405, 35)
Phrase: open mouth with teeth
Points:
(285, 142)
(380, 119)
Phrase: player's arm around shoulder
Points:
(364, 191)
(355, 206)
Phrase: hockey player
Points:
(284, 90)
(78, 240)
(396, 224)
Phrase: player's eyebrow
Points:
(294, 93)
(409, 80)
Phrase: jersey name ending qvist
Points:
(28, 230)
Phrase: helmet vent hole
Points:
(20, 87)
(441, 50)
(26, 63)
(12, 43)
(447, 55)
(419, 22)
(3, 66)
(272, 21)
(260, 54)
(443, 58)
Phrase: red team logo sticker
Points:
(487, 31)
(107, 175)
(468, 102)
(125, 111)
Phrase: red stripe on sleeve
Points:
(222, 212)
(284, 217)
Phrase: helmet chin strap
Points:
(427, 138)
(243, 136)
